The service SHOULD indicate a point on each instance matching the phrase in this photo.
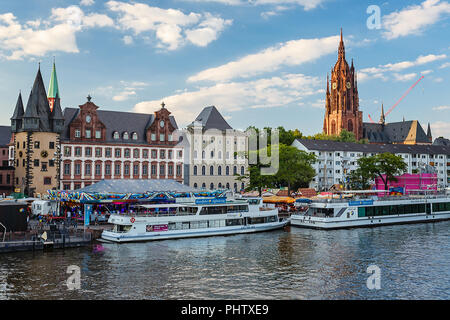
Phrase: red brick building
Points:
(6, 171)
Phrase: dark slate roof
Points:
(57, 111)
(211, 118)
(441, 141)
(137, 186)
(37, 106)
(117, 121)
(18, 111)
(5, 135)
(394, 132)
(328, 145)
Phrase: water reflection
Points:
(286, 264)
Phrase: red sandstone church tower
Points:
(342, 102)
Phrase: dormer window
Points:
(134, 136)
(77, 133)
(125, 135)
(116, 135)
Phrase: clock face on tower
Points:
(334, 85)
(88, 118)
(349, 85)
(161, 123)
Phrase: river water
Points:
(294, 263)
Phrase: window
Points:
(145, 154)
(98, 152)
(195, 170)
(97, 169)
(145, 169)
(126, 169)
(43, 166)
(51, 163)
(162, 154)
(87, 169)
(170, 137)
(180, 154)
(169, 154)
(203, 170)
(242, 170)
(67, 151)
(227, 170)
(98, 134)
(125, 135)
(77, 133)
(36, 145)
(107, 169)
(88, 134)
(78, 151)
(108, 152)
(136, 170)
(67, 168)
(88, 152)
(118, 153)
(219, 170)
(153, 169)
(136, 153)
(162, 170)
(126, 153)
(77, 169)
(153, 137)
(179, 170)
(134, 136)
(234, 170)
(51, 145)
(36, 162)
(47, 180)
(154, 154)
(170, 170)
(161, 137)
(211, 171)
(115, 135)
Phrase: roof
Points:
(53, 89)
(117, 121)
(18, 111)
(329, 145)
(211, 118)
(395, 132)
(137, 186)
(37, 106)
(441, 141)
(5, 135)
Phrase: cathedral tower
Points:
(342, 101)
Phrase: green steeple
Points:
(53, 90)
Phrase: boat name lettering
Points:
(210, 201)
(361, 203)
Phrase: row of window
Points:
(118, 153)
(88, 134)
(443, 206)
(224, 209)
(221, 186)
(219, 170)
(391, 210)
(7, 179)
(126, 169)
(219, 155)
(36, 145)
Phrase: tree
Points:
(357, 180)
(385, 166)
(295, 167)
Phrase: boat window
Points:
(256, 220)
(187, 210)
(254, 201)
(121, 228)
(234, 222)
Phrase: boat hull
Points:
(189, 233)
(331, 223)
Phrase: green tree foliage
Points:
(385, 166)
(357, 180)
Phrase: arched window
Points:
(203, 170)
(242, 186)
(220, 185)
(115, 135)
(242, 170)
(220, 154)
(125, 135)
(228, 185)
(227, 170)
(195, 170)
(212, 154)
(211, 171)
(234, 170)
(211, 186)
(350, 125)
(195, 185)
(204, 185)
(219, 170)
(134, 136)
(235, 187)
(203, 154)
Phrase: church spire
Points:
(342, 47)
(53, 89)
(382, 117)
(429, 136)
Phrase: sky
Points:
(260, 62)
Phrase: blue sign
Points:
(361, 203)
(211, 201)
(87, 213)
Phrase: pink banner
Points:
(157, 228)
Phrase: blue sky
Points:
(261, 62)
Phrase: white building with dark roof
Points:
(335, 160)
(215, 152)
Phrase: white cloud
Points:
(441, 108)
(440, 129)
(87, 2)
(233, 96)
(414, 19)
(290, 53)
(172, 27)
(381, 71)
(18, 41)
(306, 4)
(438, 80)
(404, 77)
(127, 40)
(122, 91)
(425, 72)
(445, 65)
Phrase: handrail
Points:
(4, 234)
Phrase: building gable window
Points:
(77, 133)
(116, 135)
(125, 135)
(98, 134)
(134, 136)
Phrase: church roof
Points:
(5, 135)
(395, 132)
(57, 111)
(211, 118)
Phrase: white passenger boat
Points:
(340, 213)
(204, 217)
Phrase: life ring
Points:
(132, 220)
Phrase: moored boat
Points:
(204, 217)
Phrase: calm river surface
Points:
(286, 264)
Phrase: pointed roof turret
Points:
(429, 136)
(37, 105)
(18, 111)
(341, 47)
(57, 111)
(53, 89)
